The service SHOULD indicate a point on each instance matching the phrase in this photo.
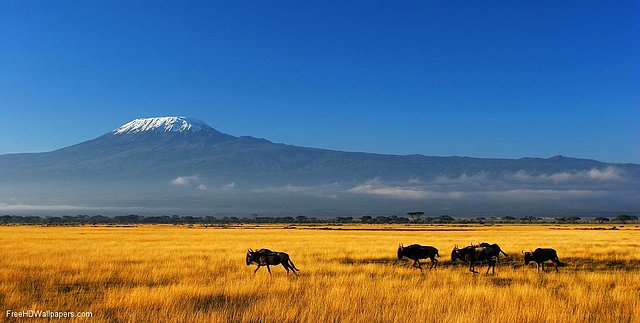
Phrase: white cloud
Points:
(185, 180)
(462, 179)
(374, 187)
(608, 174)
(229, 186)
(190, 181)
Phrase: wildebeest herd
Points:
(471, 254)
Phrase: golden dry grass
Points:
(182, 274)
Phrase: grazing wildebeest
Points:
(416, 252)
(266, 257)
(462, 254)
(540, 256)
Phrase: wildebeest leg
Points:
(434, 263)
(254, 272)
(419, 264)
(269, 269)
(472, 268)
(556, 263)
(293, 270)
(291, 266)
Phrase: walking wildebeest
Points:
(494, 249)
(480, 254)
(464, 253)
(266, 257)
(540, 256)
(484, 252)
(416, 252)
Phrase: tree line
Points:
(414, 217)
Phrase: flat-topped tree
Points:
(415, 216)
(625, 217)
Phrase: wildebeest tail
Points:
(504, 253)
(293, 266)
(437, 255)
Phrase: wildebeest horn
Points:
(523, 252)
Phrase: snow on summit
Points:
(162, 124)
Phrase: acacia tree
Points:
(415, 216)
(602, 219)
(624, 218)
(573, 219)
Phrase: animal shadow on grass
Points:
(501, 282)
(73, 288)
(367, 261)
(236, 303)
(599, 265)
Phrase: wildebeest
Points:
(540, 256)
(461, 253)
(416, 252)
(481, 254)
(464, 253)
(266, 257)
(484, 252)
(494, 250)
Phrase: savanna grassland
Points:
(348, 274)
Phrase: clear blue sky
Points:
(474, 78)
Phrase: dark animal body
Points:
(266, 257)
(484, 252)
(416, 252)
(464, 253)
(540, 256)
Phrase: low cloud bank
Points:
(375, 187)
(608, 174)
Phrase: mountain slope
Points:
(179, 163)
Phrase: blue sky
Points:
(485, 78)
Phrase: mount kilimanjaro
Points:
(182, 165)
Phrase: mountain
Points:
(181, 164)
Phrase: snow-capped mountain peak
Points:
(162, 124)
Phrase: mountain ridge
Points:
(182, 164)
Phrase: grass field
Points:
(348, 274)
